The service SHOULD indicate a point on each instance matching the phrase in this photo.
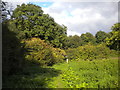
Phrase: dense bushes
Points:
(58, 54)
(41, 53)
(90, 52)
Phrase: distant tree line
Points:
(75, 41)
(111, 39)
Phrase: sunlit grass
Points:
(88, 74)
(75, 74)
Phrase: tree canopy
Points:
(30, 21)
(114, 40)
(101, 36)
(87, 38)
(73, 41)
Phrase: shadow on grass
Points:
(15, 72)
(32, 77)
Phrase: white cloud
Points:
(73, 33)
(84, 17)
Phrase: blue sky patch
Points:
(70, 15)
(43, 4)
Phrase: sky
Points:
(80, 17)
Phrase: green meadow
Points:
(75, 74)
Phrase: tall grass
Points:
(88, 74)
(75, 74)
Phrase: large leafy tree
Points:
(31, 22)
(87, 38)
(101, 36)
(114, 40)
(73, 41)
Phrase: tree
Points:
(101, 36)
(114, 40)
(73, 41)
(31, 22)
(87, 38)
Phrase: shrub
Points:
(42, 53)
(90, 52)
(58, 54)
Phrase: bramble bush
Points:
(90, 52)
(42, 53)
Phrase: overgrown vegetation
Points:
(76, 74)
(41, 53)
(35, 49)
(87, 74)
(91, 52)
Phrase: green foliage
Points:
(41, 53)
(101, 36)
(76, 41)
(116, 27)
(114, 40)
(73, 41)
(31, 22)
(71, 79)
(82, 74)
(38, 51)
(90, 52)
(87, 38)
(87, 74)
(86, 70)
(58, 54)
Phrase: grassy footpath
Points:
(75, 74)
